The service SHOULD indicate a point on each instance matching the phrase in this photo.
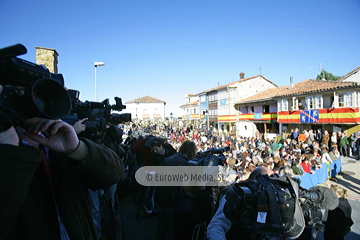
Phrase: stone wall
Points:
(47, 57)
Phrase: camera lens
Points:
(51, 99)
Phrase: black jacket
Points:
(156, 159)
(339, 221)
(163, 195)
(27, 207)
(190, 211)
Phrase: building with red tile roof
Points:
(329, 105)
(146, 108)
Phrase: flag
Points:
(309, 116)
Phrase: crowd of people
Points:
(290, 155)
(294, 153)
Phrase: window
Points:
(348, 99)
(283, 105)
(309, 102)
(156, 111)
(266, 108)
(202, 98)
(145, 111)
(318, 102)
(295, 103)
(341, 97)
(194, 110)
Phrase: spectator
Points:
(164, 195)
(318, 135)
(302, 137)
(326, 138)
(296, 134)
(333, 139)
(311, 138)
(357, 146)
(306, 165)
(297, 170)
(325, 157)
(343, 145)
(339, 220)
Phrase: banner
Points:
(309, 116)
(257, 115)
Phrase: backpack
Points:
(264, 209)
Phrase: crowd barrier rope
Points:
(329, 170)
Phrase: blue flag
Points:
(309, 116)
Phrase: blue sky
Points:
(168, 48)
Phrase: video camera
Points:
(98, 113)
(207, 158)
(34, 91)
(315, 202)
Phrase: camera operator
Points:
(45, 181)
(104, 201)
(220, 226)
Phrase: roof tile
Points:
(189, 104)
(306, 86)
(146, 99)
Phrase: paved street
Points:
(138, 225)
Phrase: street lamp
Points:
(96, 64)
(171, 117)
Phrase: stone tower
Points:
(47, 57)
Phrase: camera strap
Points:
(274, 208)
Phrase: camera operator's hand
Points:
(62, 136)
(79, 127)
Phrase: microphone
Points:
(322, 197)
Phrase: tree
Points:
(327, 76)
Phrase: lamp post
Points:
(96, 64)
(171, 117)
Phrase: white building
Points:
(191, 107)
(146, 108)
(353, 76)
(227, 95)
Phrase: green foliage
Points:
(328, 76)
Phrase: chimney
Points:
(242, 75)
(47, 57)
(291, 82)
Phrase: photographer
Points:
(45, 181)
